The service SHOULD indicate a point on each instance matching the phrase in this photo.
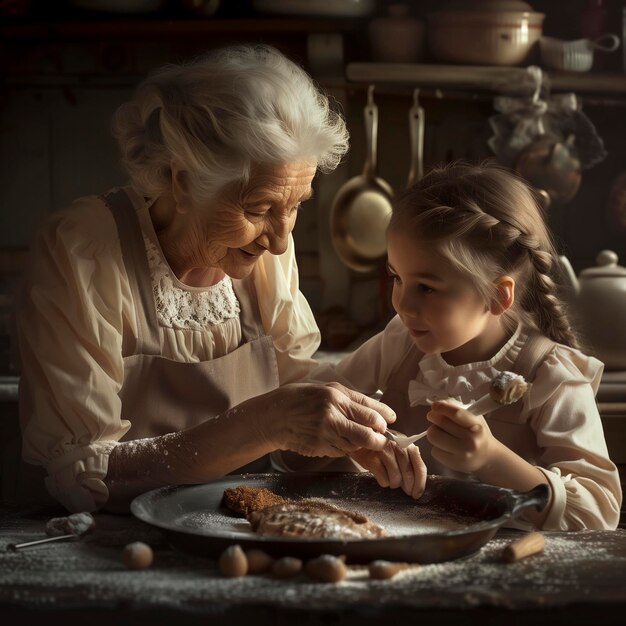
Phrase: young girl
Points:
(472, 264)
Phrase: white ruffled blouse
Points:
(76, 322)
(466, 383)
(563, 438)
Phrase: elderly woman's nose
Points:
(275, 239)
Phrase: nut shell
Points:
(137, 555)
(258, 561)
(286, 567)
(327, 568)
(233, 562)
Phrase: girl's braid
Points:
(540, 300)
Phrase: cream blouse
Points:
(76, 321)
(565, 437)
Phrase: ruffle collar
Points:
(437, 380)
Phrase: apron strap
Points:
(250, 314)
(532, 355)
(136, 264)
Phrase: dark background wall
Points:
(64, 71)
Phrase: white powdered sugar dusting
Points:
(414, 520)
(90, 572)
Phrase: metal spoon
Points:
(402, 440)
(484, 404)
(14, 547)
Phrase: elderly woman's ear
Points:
(180, 188)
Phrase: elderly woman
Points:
(161, 329)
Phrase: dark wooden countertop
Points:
(579, 578)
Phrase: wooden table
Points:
(580, 578)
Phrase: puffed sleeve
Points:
(69, 318)
(286, 314)
(366, 370)
(586, 490)
(370, 366)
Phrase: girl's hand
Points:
(321, 420)
(461, 441)
(395, 467)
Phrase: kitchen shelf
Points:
(482, 78)
(174, 28)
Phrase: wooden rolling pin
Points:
(530, 544)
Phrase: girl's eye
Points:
(394, 277)
(425, 288)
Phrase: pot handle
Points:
(538, 497)
(371, 134)
(612, 43)
(416, 125)
(569, 276)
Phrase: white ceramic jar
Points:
(484, 32)
(397, 37)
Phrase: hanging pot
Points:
(362, 207)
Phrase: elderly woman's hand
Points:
(395, 467)
(323, 420)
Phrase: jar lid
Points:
(606, 266)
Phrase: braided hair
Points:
(486, 221)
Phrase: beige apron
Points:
(161, 396)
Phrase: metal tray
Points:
(454, 518)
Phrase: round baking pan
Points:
(454, 518)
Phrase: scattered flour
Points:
(92, 571)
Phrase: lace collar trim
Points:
(180, 306)
(183, 309)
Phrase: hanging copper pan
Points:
(362, 207)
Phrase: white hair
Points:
(220, 114)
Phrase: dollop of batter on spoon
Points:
(508, 387)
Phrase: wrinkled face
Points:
(441, 309)
(242, 225)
